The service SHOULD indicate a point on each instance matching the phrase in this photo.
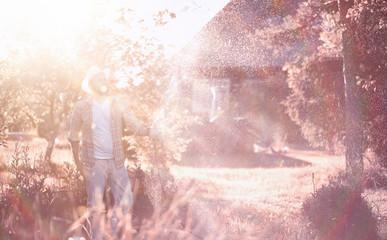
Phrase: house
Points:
(228, 72)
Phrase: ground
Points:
(245, 197)
(251, 198)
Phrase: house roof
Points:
(228, 39)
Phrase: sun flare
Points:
(51, 23)
(57, 24)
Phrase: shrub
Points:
(26, 197)
(315, 77)
(35, 193)
(3, 136)
(41, 201)
(317, 94)
(317, 101)
(368, 26)
(374, 175)
(336, 211)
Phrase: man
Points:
(98, 122)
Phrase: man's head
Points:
(95, 81)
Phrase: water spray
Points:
(159, 116)
(214, 107)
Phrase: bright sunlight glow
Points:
(53, 21)
(56, 23)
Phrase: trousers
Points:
(104, 174)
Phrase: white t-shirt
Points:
(101, 128)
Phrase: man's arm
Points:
(75, 127)
(75, 150)
(135, 125)
(131, 121)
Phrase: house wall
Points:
(248, 115)
(237, 90)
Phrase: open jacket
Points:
(81, 128)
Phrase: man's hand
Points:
(79, 166)
(78, 163)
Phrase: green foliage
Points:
(38, 201)
(26, 196)
(34, 194)
(40, 82)
(13, 112)
(369, 27)
(375, 175)
(39, 85)
(315, 78)
(336, 211)
(317, 95)
(316, 102)
(3, 136)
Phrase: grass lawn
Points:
(246, 197)
(264, 203)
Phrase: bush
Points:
(375, 175)
(336, 211)
(25, 197)
(317, 94)
(368, 26)
(35, 193)
(3, 136)
(42, 201)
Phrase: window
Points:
(211, 97)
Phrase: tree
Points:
(140, 76)
(367, 33)
(38, 73)
(317, 102)
(14, 114)
(314, 77)
(353, 99)
(46, 78)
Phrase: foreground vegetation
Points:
(242, 198)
